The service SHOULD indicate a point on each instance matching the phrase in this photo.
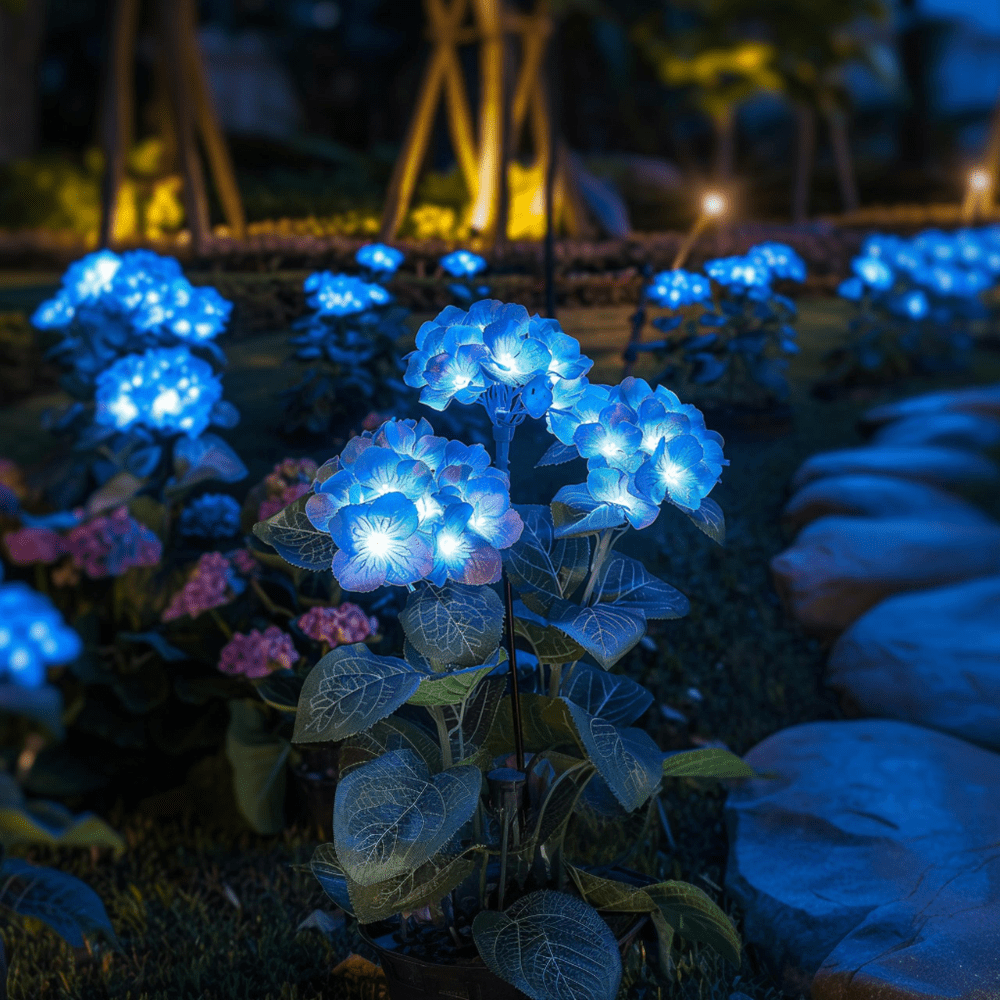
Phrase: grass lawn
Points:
(213, 914)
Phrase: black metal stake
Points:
(515, 695)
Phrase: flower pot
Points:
(412, 978)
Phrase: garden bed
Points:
(206, 910)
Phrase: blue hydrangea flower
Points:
(781, 260)
(739, 273)
(673, 289)
(403, 505)
(212, 515)
(659, 444)
(463, 264)
(342, 294)
(378, 257)
(912, 304)
(851, 289)
(165, 389)
(874, 272)
(33, 635)
(619, 491)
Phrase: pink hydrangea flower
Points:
(214, 582)
(290, 494)
(111, 544)
(258, 654)
(290, 479)
(338, 626)
(34, 545)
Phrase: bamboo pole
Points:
(118, 113)
(216, 149)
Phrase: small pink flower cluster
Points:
(212, 584)
(112, 544)
(258, 654)
(291, 479)
(338, 626)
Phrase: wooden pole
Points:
(489, 18)
(172, 21)
(803, 163)
(460, 129)
(216, 149)
(118, 113)
(840, 141)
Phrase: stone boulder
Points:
(932, 658)
(949, 468)
(877, 497)
(982, 399)
(868, 867)
(840, 567)
(948, 430)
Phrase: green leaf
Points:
(455, 623)
(551, 946)
(281, 690)
(627, 759)
(258, 758)
(292, 535)
(549, 643)
(411, 890)
(709, 519)
(391, 815)
(330, 875)
(695, 917)
(560, 802)
(558, 454)
(42, 705)
(539, 563)
(612, 697)
(478, 722)
(449, 689)
(605, 631)
(545, 724)
(711, 762)
(628, 585)
(390, 734)
(70, 907)
(349, 690)
(575, 512)
(204, 458)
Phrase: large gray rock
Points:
(869, 868)
(949, 468)
(948, 430)
(840, 567)
(877, 496)
(932, 658)
(982, 399)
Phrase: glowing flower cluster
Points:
(290, 479)
(338, 626)
(463, 264)
(379, 258)
(258, 654)
(402, 505)
(740, 274)
(215, 580)
(111, 544)
(166, 389)
(212, 515)
(781, 260)
(342, 294)
(642, 446)
(676, 288)
(33, 635)
(141, 291)
(463, 355)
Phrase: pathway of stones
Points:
(867, 861)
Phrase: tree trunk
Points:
(804, 153)
(915, 58)
(836, 120)
(20, 43)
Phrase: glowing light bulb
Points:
(979, 180)
(713, 204)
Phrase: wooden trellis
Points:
(483, 160)
(191, 114)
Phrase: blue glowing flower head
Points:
(673, 289)
(403, 505)
(937, 246)
(379, 258)
(212, 515)
(33, 635)
(851, 289)
(463, 264)
(874, 272)
(912, 304)
(343, 294)
(739, 273)
(781, 260)
(657, 447)
(165, 389)
(464, 355)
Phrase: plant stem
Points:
(597, 563)
(268, 603)
(223, 627)
(437, 714)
